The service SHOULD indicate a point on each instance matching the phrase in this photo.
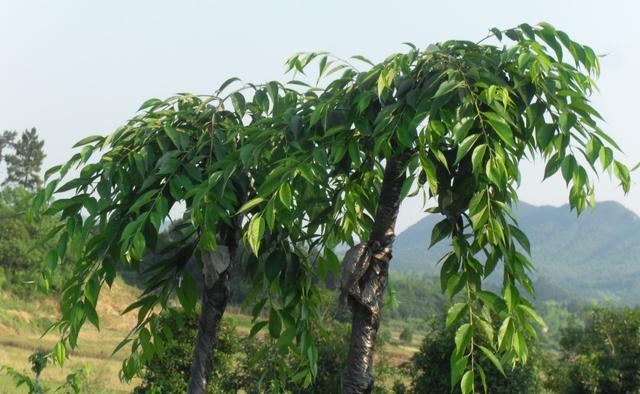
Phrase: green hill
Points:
(594, 256)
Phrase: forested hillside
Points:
(594, 256)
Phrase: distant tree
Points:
(20, 261)
(23, 165)
(6, 139)
(406, 334)
(601, 356)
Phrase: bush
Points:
(406, 334)
(21, 258)
(253, 365)
(603, 355)
(169, 371)
(431, 373)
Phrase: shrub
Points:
(431, 373)
(603, 355)
(406, 334)
(169, 371)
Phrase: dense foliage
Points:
(602, 355)
(169, 372)
(430, 368)
(21, 260)
(298, 168)
(249, 364)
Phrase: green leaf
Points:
(440, 231)
(227, 83)
(275, 323)
(245, 153)
(447, 87)
(568, 166)
(92, 289)
(496, 32)
(494, 172)
(173, 135)
(455, 313)
(256, 231)
(461, 128)
(477, 156)
(533, 314)
(270, 214)
(521, 238)
(150, 103)
(463, 337)
(606, 157)
(492, 357)
(466, 384)
(362, 59)
(458, 363)
(59, 353)
(187, 293)
(501, 127)
(464, 147)
(504, 331)
(88, 140)
(483, 379)
(92, 316)
(286, 338)
(250, 204)
(544, 134)
(285, 195)
(257, 327)
(552, 166)
(239, 104)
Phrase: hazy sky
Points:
(74, 68)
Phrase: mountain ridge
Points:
(593, 256)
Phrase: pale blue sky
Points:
(74, 68)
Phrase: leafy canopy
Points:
(303, 166)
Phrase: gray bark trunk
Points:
(358, 377)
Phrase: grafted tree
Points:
(290, 171)
(457, 119)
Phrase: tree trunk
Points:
(358, 377)
(214, 302)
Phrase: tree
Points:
(6, 139)
(458, 118)
(406, 334)
(186, 149)
(170, 371)
(23, 165)
(603, 355)
(291, 169)
(430, 369)
(241, 364)
(20, 262)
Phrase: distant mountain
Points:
(592, 257)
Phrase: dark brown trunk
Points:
(358, 377)
(214, 303)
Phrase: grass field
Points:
(22, 322)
